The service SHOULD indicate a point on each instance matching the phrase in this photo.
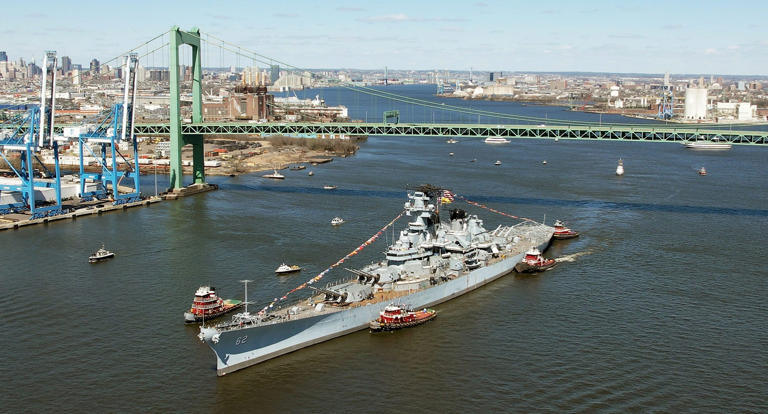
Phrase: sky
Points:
(627, 36)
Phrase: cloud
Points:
(402, 17)
(349, 9)
(626, 36)
(710, 51)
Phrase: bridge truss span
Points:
(607, 133)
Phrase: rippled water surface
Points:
(658, 306)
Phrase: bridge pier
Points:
(179, 38)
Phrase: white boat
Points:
(337, 221)
(329, 187)
(284, 269)
(101, 254)
(702, 171)
(451, 141)
(620, 168)
(496, 140)
(311, 173)
(497, 162)
(275, 176)
(450, 154)
(713, 144)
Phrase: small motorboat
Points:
(208, 305)
(101, 254)
(544, 162)
(497, 162)
(275, 176)
(337, 221)
(620, 168)
(496, 140)
(284, 269)
(298, 167)
(534, 262)
(473, 160)
(562, 232)
(396, 317)
(311, 173)
(450, 154)
(702, 171)
(451, 141)
(329, 187)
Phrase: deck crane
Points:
(27, 134)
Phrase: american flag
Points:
(447, 197)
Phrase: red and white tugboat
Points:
(396, 317)
(208, 305)
(562, 232)
(534, 262)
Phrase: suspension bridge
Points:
(35, 129)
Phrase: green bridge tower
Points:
(178, 38)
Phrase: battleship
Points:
(429, 263)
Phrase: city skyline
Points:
(634, 37)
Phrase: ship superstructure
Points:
(430, 262)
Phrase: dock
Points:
(15, 221)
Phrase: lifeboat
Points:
(208, 305)
(562, 232)
(396, 317)
(534, 262)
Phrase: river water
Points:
(658, 307)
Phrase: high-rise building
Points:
(3, 56)
(94, 66)
(66, 64)
(274, 74)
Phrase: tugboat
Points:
(337, 221)
(562, 232)
(534, 262)
(284, 269)
(101, 254)
(208, 305)
(395, 317)
(702, 171)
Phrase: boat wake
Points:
(572, 257)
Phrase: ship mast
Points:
(245, 282)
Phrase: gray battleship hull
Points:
(249, 345)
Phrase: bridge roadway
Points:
(666, 133)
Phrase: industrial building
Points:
(695, 103)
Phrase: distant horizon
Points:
(601, 36)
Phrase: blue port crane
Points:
(26, 134)
(109, 130)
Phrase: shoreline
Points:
(591, 109)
